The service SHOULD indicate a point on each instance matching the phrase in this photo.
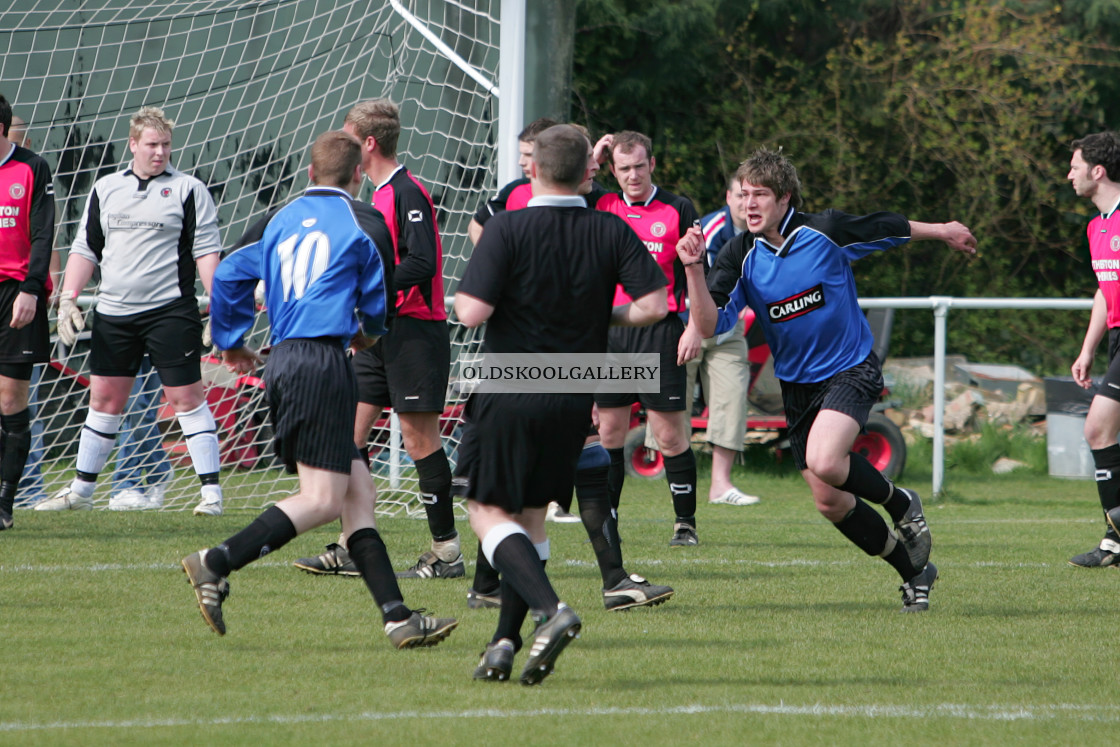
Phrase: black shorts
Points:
(171, 335)
(312, 396)
(30, 344)
(407, 369)
(520, 450)
(661, 337)
(853, 392)
(1110, 384)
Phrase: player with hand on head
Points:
(794, 270)
(660, 219)
(146, 228)
(327, 266)
(27, 218)
(517, 193)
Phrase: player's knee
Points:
(612, 431)
(833, 504)
(673, 438)
(323, 503)
(12, 402)
(1099, 434)
(828, 468)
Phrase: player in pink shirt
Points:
(1094, 172)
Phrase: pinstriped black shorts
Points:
(853, 392)
(312, 396)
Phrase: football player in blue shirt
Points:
(794, 270)
(326, 261)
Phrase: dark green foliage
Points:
(938, 109)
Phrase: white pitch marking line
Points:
(571, 562)
(996, 712)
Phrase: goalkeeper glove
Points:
(71, 321)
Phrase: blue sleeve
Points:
(232, 305)
(729, 312)
(726, 282)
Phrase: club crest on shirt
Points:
(16, 191)
(798, 305)
(1114, 244)
(657, 229)
(165, 192)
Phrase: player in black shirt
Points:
(543, 278)
(621, 590)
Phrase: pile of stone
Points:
(975, 394)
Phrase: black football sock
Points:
(680, 472)
(616, 475)
(872, 485)
(486, 580)
(371, 558)
(519, 565)
(512, 616)
(602, 527)
(434, 475)
(8, 497)
(868, 531)
(269, 531)
(1107, 474)
(15, 445)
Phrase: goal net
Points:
(249, 86)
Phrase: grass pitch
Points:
(781, 632)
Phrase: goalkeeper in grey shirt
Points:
(146, 228)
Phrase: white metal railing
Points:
(940, 306)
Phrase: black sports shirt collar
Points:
(145, 182)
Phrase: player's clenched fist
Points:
(690, 249)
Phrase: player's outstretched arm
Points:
(955, 234)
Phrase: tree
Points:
(948, 109)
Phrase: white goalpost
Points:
(249, 86)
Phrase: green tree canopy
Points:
(941, 110)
